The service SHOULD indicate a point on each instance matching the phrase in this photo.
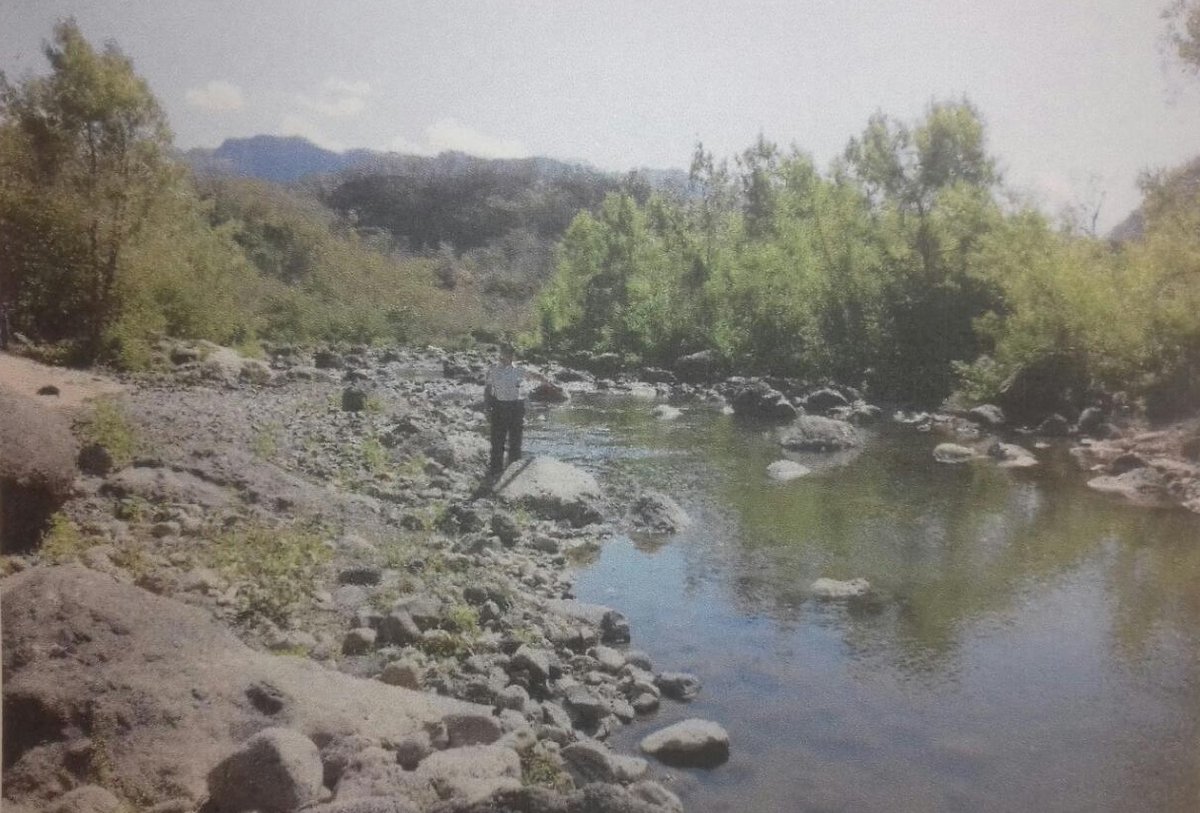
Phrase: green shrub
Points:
(463, 619)
(63, 541)
(274, 568)
(109, 425)
(540, 769)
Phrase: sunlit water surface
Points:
(1032, 645)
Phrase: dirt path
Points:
(26, 377)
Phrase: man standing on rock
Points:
(503, 391)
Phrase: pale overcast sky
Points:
(1077, 94)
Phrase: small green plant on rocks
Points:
(412, 468)
(109, 426)
(385, 598)
(445, 644)
(132, 557)
(463, 619)
(374, 456)
(63, 541)
(527, 635)
(133, 509)
(375, 405)
(539, 768)
(265, 444)
(400, 551)
(274, 567)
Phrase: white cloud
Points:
(403, 145)
(217, 96)
(337, 98)
(450, 134)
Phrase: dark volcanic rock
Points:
(760, 400)
(275, 770)
(37, 468)
(699, 368)
(824, 400)
(354, 399)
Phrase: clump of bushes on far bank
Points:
(904, 268)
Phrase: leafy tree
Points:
(930, 189)
(84, 153)
(1183, 32)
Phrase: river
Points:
(1030, 645)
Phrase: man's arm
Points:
(489, 399)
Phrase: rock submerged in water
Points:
(655, 512)
(988, 415)
(813, 433)
(1143, 486)
(785, 470)
(953, 453)
(680, 686)
(834, 590)
(690, 743)
(665, 412)
(1011, 456)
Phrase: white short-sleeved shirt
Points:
(506, 382)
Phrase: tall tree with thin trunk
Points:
(84, 153)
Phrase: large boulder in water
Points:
(37, 468)
(784, 470)
(1011, 456)
(988, 415)
(1143, 486)
(953, 453)
(1043, 387)
(813, 433)
(693, 742)
(553, 489)
(759, 400)
(825, 399)
(828, 589)
(655, 512)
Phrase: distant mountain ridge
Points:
(286, 159)
(281, 159)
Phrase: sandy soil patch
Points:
(75, 387)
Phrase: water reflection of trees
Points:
(949, 545)
(945, 546)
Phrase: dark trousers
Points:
(508, 424)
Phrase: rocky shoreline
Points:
(405, 636)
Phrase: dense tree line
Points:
(465, 202)
(902, 267)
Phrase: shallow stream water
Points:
(1031, 645)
